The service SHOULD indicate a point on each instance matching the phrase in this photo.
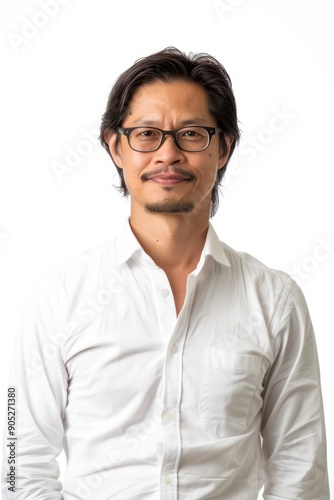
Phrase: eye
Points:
(146, 133)
(192, 134)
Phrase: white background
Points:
(277, 202)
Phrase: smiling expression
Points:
(169, 180)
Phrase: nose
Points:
(169, 152)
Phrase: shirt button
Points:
(167, 480)
(174, 348)
(164, 292)
(170, 416)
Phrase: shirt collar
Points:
(214, 247)
(127, 245)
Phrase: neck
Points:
(174, 241)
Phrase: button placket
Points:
(172, 400)
(164, 301)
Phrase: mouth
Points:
(168, 178)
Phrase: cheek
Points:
(209, 165)
(206, 179)
(132, 162)
(133, 166)
(212, 167)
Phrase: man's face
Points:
(169, 180)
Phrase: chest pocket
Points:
(231, 391)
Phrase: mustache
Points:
(172, 170)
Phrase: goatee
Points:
(170, 207)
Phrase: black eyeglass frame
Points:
(211, 131)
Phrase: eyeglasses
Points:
(145, 139)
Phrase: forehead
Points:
(178, 97)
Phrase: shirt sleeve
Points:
(39, 377)
(293, 429)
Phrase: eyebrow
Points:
(183, 123)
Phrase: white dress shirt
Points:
(150, 406)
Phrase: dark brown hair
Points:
(169, 65)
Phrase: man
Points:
(168, 365)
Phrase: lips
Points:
(167, 178)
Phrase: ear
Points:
(115, 150)
(223, 156)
